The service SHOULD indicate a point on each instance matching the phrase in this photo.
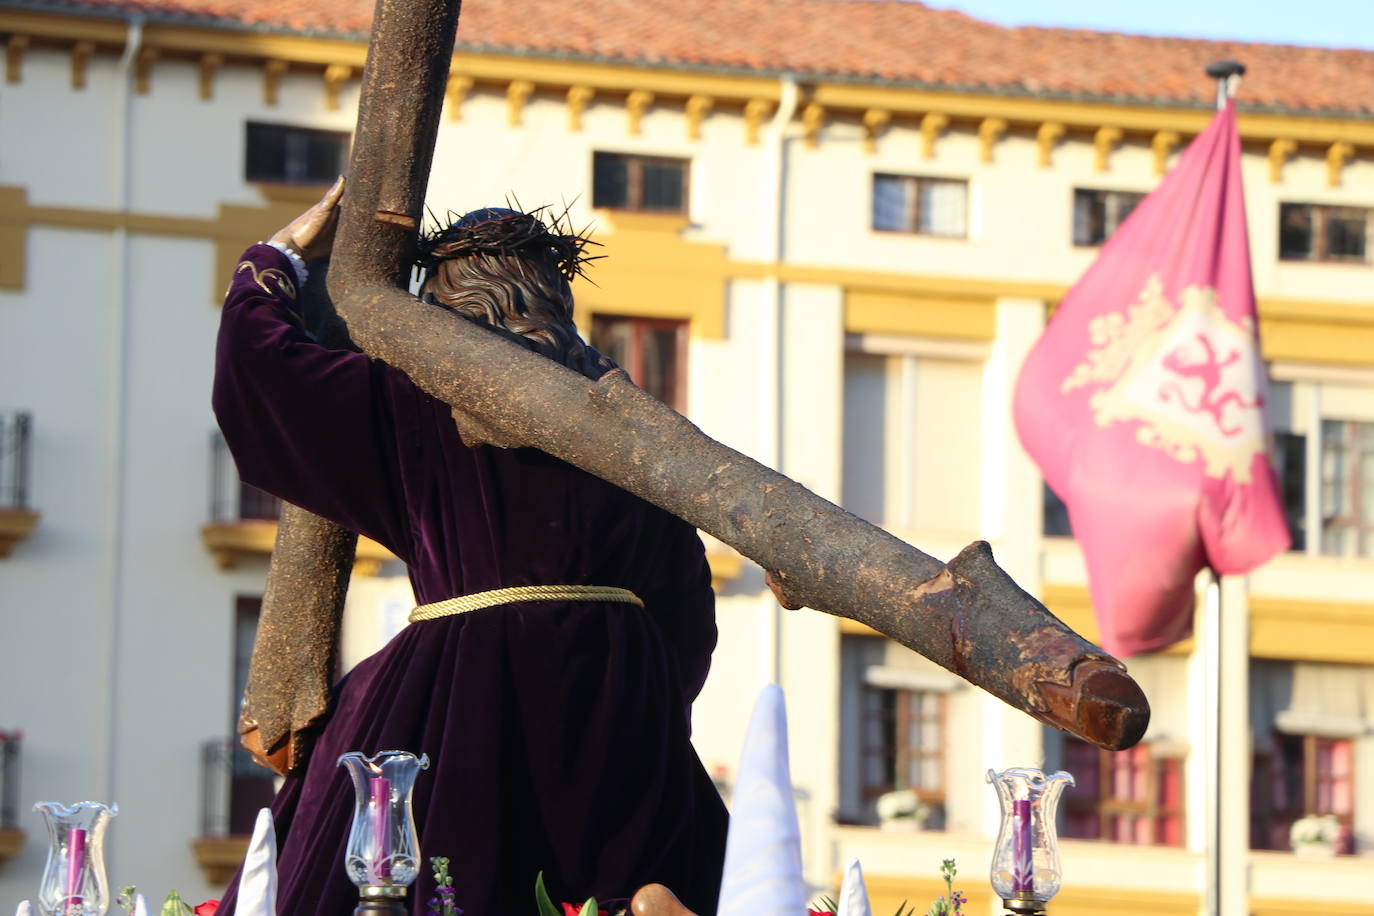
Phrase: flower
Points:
(810, 912)
(573, 909)
(208, 908)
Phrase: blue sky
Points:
(1330, 23)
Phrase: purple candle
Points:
(381, 822)
(1021, 869)
(76, 861)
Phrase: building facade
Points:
(838, 275)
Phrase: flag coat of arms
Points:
(1144, 403)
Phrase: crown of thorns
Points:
(497, 231)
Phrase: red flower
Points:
(811, 912)
(572, 909)
(207, 908)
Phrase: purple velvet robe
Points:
(557, 731)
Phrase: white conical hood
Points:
(763, 869)
(140, 905)
(24, 909)
(258, 884)
(853, 892)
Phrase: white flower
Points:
(1314, 828)
(901, 803)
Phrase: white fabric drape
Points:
(258, 884)
(853, 892)
(763, 868)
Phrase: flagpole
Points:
(1227, 73)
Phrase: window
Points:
(1347, 488)
(233, 787)
(1324, 451)
(1097, 214)
(294, 155)
(1056, 515)
(232, 500)
(656, 184)
(925, 206)
(894, 706)
(1290, 455)
(652, 350)
(1301, 775)
(9, 779)
(1131, 796)
(1315, 232)
(893, 404)
(904, 745)
(15, 428)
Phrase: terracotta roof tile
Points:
(877, 40)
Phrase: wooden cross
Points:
(968, 615)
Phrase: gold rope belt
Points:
(478, 600)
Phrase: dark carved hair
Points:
(509, 271)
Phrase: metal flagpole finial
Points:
(1227, 73)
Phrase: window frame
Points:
(344, 137)
(1269, 826)
(640, 326)
(634, 183)
(915, 184)
(1320, 215)
(1108, 807)
(1113, 198)
(894, 751)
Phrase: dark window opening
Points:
(1130, 796)
(652, 350)
(623, 181)
(1290, 453)
(1056, 521)
(1098, 214)
(232, 500)
(1316, 232)
(294, 155)
(1302, 775)
(923, 206)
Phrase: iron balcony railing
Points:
(233, 789)
(231, 499)
(16, 428)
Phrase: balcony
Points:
(233, 789)
(243, 519)
(17, 520)
(11, 837)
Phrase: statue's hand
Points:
(311, 234)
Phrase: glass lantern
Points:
(383, 853)
(74, 877)
(1025, 861)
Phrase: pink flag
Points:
(1143, 403)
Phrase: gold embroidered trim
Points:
(474, 602)
(261, 277)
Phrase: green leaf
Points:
(174, 906)
(588, 908)
(541, 897)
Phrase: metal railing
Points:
(16, 427)
(232, 789)
(232, 500)
(9, 779)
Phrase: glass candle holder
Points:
(1025, 861)
(73, 881)
(383, 848)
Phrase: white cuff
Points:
(297, 262)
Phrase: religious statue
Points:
(464, 428)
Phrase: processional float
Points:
(967, 615)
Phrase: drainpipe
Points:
(117, 405)
(775, 204)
